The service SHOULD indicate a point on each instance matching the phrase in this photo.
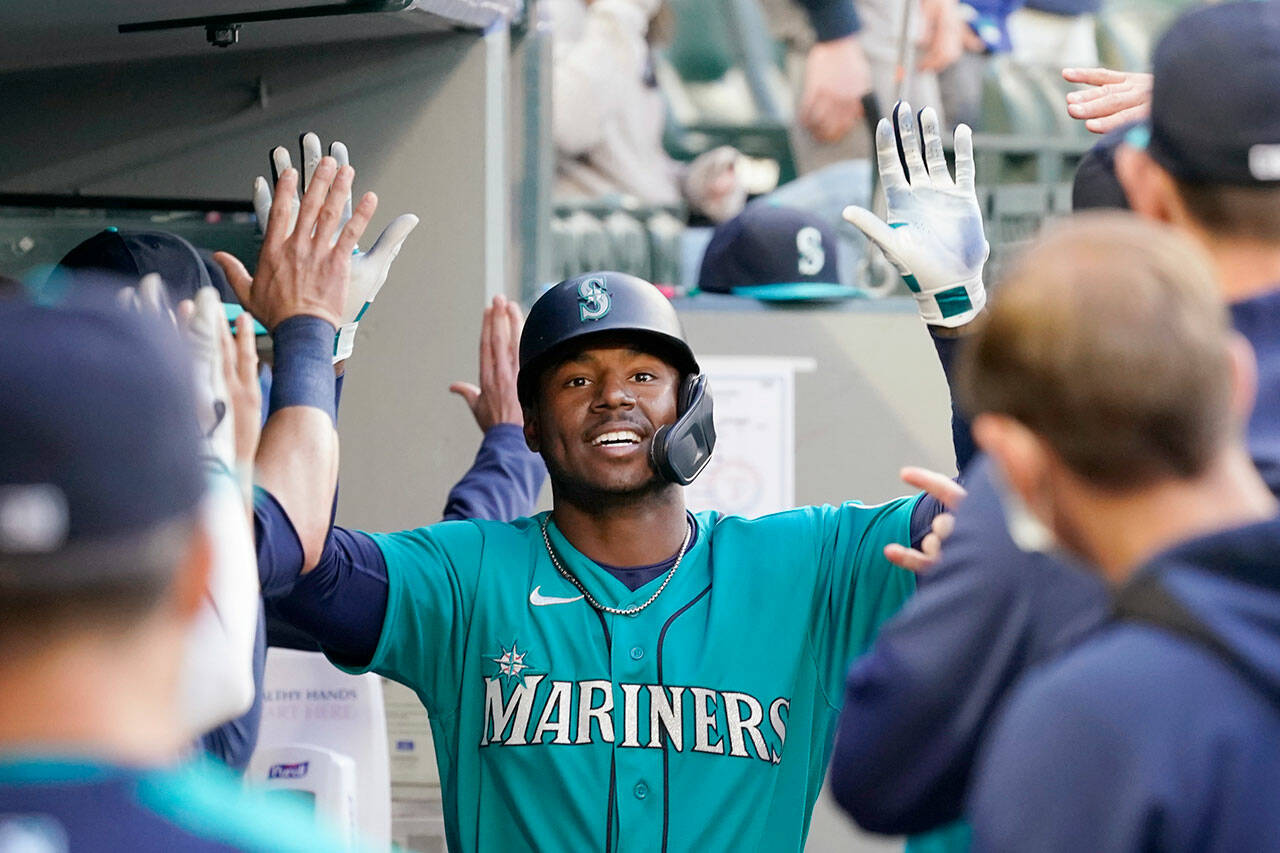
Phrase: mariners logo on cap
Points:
(593, 299)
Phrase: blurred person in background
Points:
(608, 114)
(850, 50)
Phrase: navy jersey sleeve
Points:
(917, 704)
(831, 19)
(504, 481)
(948, 350)
(929, 507)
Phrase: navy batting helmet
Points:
(592, 305)
(613, 303)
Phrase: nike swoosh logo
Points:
(537, 599)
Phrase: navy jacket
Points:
(918, 704)
(1142, 739)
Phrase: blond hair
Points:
(1109, 340)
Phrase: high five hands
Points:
(368, 270)
(305, 264)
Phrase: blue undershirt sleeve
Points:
(342, 602)
(831, 19)
(504, 481)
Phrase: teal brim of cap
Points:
(234, 311)
(1139, 136)
(800, 291)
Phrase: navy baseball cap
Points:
(774, 253)
(133, 254)
(1214, 116)
(98, 438)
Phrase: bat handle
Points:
(871, 112)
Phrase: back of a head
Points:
(1214, 124)
(1108, 339)
(99, 464)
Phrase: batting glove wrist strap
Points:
(344, 341)
(949, 305)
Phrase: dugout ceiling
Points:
(75, 32)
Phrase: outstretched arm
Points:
(504, 481)
(934, 238)
(298, 293)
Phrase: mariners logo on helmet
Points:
(593, 299)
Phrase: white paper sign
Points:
(752, 471)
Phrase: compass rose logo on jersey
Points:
(593, 299)
(512, 663)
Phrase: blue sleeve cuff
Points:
(302, 370)
(832, 19)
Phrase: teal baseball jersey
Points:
(702, 722)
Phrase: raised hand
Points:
(494, 400)
(305, 264)
(949, 493)
(934, 234)
(368, 270)
(1118, 98)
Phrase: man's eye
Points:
(577, 382)
(644, 377)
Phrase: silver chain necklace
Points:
(630, 611)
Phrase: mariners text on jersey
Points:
(703, 721)
(647, 716)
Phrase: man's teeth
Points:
(620, 437)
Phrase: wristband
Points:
(302, 373)
(950, 306)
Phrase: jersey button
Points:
(637, 653)
(641, 790)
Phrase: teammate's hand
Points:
(302, 268)
(495, 400)
(368, 269)
(836, 76)
(943, 39)
(934, 234)
(239, 370)
(949, 493)
(1119, 97)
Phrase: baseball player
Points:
(618, 673)
(106, 564)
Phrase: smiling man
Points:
(619, 673)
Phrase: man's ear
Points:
(532, 438)
(1017, 452)
(1149, 188)
(191, 584)
(1244, 377)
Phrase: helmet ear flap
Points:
(681, 450)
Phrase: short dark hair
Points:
(1241, 212)
(39, 598)
(1109, 340)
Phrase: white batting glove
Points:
(214, 412)
(368, 269)
(934, 234)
